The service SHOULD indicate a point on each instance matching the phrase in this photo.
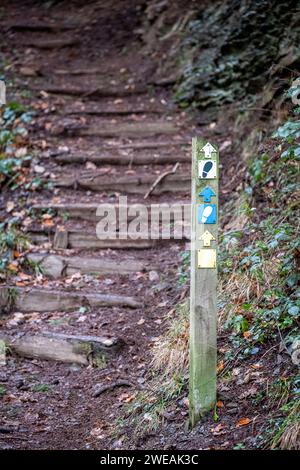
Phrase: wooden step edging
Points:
(86, 240)
(116, 159)
(42, 26)
(129, 184)
(99, 92)
(130, 129)
(88, 211)
(52, 43)
(112, 111)
(35, 299)
(83, 350)
(57, 266)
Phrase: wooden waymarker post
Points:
(203, 295)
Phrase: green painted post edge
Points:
(203, 301)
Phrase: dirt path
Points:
(102, 130)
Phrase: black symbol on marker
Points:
(207, 167)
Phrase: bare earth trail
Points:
(102, 129)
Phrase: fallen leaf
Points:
(243, 422)
(220, 404)
(13, 266)
(48, 223)
(256, 366)
(218, 430)
(46, 216)
(220, 366)
(130, 398)
(249, 392)
(97, 433)
(10, 206)
(24, 276)
(124, 396)
(56, 200)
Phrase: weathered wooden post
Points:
(203, 295)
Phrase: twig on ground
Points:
(99, 389)
(160, 178)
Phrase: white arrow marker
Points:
(208, 149)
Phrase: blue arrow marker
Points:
(207, 194)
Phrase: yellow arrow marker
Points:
(207, 238)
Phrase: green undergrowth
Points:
(16, 180)
(259, 269)
(13, 139)
(260, 262)
(226, 58)
(12, 243)
(259, 305)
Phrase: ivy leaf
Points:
(294, 310)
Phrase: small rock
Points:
(21, 152)
(39, 169)
(17, 319)
(81, 319)
(62, 149)
(53, 266)
(153, 276)
(162, 286)
(90, 166)
(20, 382)
(225, 145)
